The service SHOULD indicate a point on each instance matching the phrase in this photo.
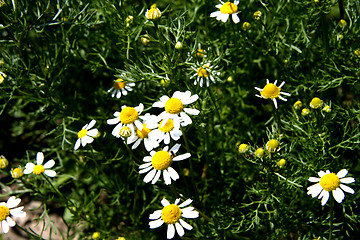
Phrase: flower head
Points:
(272, 145)
(2, 77)
(316, 103)
(246, 26)
(257, 15)
(305, 112)
(298, 105)
(39, 168)
(259, 153)
(204, 72)
(163, 132)
(172, 215)
(282, 162)
(128, 117)
(3, 162)
(174, 107)
(225, 10)
(121, 87)
(272, 91)
(330, 182)
(153, 13)
(243, 148)
(86, 135)
(17, 172)
(161, 161)
(7, 209)
(327, 109)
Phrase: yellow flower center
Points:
(82, 133)
(298, 105)
(228, 8)
(125, 132)
(329, 182)
(272, 145)
(17, 172)
(119, 84)
(202, 72)
(171, 214)
(243, 148)
(3, 162)
(143, 133)
(259, 152)
(4, 213)
(270, 91)
(169, 125)
(316, 103)
(174, 106)
(128, 115)
(161, 160)
(200, 53)
(154, 12)
(38, 169)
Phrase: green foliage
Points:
(61, 58)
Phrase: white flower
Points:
(153, 13)
(39, 168)
(120, 87)
(329, 182)
(86, 134)
(227, 9)
(150, 122)
(171, 214)
(272, 91)
(161, 161)
(165, 131)
(204, 72)
(7, 209)
(174, 107)
(128, 117)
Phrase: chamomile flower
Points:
(2, 77)
(160, 162)
(128, 117)
(227, 9)
(3, 162)
(7, 209)
(150, 122)
(164, 131)
(153, 13)
(204, 73)
(172, 215)
(330, 182)
(121, 87)
(39, 168)
(272, 91)
(86, 134)
(17, 172)
(174, 107)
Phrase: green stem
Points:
(60, 194)
(331, 216)
(30, 234)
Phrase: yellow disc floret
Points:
(153, 13)
(270, 91)
(174, 106)
(272, 145)
(4, 212)
(125, 132)
(203, 72)
(169, 125)
(229, 8)
(171, 214)
(119, 84)
(3, 162)
(330, 182)
(82, 133)
(243, 148)
(298, 105)
(161, 160)
(17, 172)
(38, 169)
(128, 115)
(144, 132)
(316, 103)
(259, 152)
(200, 53)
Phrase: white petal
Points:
(29, 168)
(186, 120)
(173, 174)
(224, 17)
(325, 197)
(175, 134)
(185, 224)
(50, 173)
(275, 103)
(145, 169)
(179, 229)
(165, 202)
(184, 204)
(150, 176)
(342, 173)
(314, 179)
(13, 202)
(182, 157)
(39, 158)
(338, 195)
(191, 111)
(49, 164)
(5, 226)
(145, 165)
(156, 178)
(19, 214)
(177, 201)
(347, 189)
(166, 176)
(191, 99)
(91, 124)
(347, 180)
(118, 94)
(321, 173)
(189, 212)
(175, 148)
(235, 18)
(85, 140)
(138, 124)
(92, 132)
(113, 121)
(170, 231)
(136, 144)
(148, 158)
(314, 190)
(155, 215)
(166, 138)
(10, 221)
(156, 223)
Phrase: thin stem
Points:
(331, 216)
